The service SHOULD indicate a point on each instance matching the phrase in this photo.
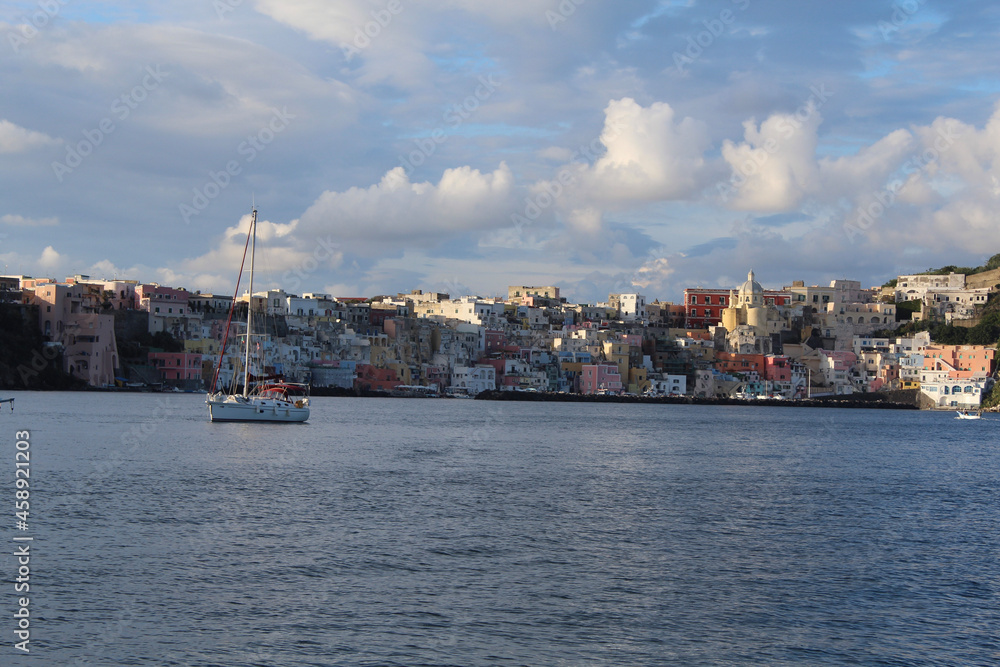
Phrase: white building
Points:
(631, 307)
(469, 309)
(666, 385)
(915, 288)
(961, 394)
(473, 380)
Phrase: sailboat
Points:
(263, 399)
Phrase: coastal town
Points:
(744, 341)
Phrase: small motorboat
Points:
(965, 414)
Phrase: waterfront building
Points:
(335, 373)
(664, 384)
(473, 380)
(940, 389)
(178, 369)
(600, 378)
(369, 378)
(68, 318)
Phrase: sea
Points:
(414, 532)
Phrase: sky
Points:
(464, 146)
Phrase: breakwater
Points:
(888, 401)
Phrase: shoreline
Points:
(875, 401)
(871, 401)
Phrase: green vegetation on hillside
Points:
(987, 332)
(992, 263)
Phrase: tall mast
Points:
(246, 362)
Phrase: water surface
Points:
(450, 532)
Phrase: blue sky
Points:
(463, 146)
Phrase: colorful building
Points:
(600, 378)
(180, 369)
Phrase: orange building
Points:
(962, 361)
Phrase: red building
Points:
(729, 362)
(703, 306)
(777, 368)
(773, 368)
(369, 378)
(494, 340)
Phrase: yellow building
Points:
(747, 308)
(638, 380)
(617, 353)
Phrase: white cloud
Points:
(775, 166)
(649, 155)
(396, 211)
(21, 221)
(16, 139)
(871, 166)
(50, 260)
(386, 41)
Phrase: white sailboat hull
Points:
(238, 409)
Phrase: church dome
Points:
(751, 292)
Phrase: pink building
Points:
(169, 310)
(595, 378)
(66, 316)
(162, 300)
(177, 368)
